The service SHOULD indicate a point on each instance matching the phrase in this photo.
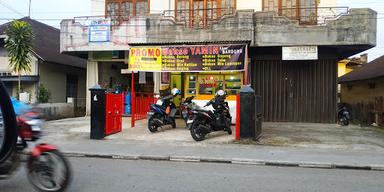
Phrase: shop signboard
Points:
(188, 58)
(99, 30)
(300, 53)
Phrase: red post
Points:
(237, 132)
(133, 100)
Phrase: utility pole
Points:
(29, 11)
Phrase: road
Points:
(99, 175)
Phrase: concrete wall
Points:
(52, 111)
(360, 91)
(357, 28)
(54, 78)
(267, 29)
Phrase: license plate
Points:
(150, 114)
(190, 121)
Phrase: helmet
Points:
(220, 93)
(175, 91)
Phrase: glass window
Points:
(113, 12)
(228, 7)
(202, 12)
(303, 10)
(192, 79)
(119, 10)
(182, 11)
(209, 84)
(126, 10)
(212, 9)
(233, 83)
(142, 8)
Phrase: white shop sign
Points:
(99, 30)
(300, 53)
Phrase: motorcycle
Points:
(162, 113)
(186, 108)
(343, 115)
(47, 168)
(205, 121)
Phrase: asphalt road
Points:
(99, 175)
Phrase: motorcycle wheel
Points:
(50, 172)
(196, 133)
(344, 121)
(152, 126)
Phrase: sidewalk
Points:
(72, 137)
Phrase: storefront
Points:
(197, 70)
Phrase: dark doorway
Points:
(72, 83)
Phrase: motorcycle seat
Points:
(206, 110)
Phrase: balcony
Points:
(327, 26)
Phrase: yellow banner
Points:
(145, 59)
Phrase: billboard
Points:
(188, 58)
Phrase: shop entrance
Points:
(204, 85)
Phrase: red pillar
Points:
(237, 132)
(133, 100)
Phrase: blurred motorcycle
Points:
(47, 168)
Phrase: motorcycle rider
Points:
(206, 121)
(163, 112)
(167, 99)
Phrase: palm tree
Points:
(19, 43)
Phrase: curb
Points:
(235, 161)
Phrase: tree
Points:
(19, 44)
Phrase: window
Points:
(192, 85)
(126, 10)
(209, 84)
(228, 7)
(142, 7)
(112, 11)
(202, 12)
(303, 10)
(233, 83)
(120, 10)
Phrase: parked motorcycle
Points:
(186, 108)
(343, 115)
(205, 121)
(47, 168)
(163, 112)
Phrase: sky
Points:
(52, 12)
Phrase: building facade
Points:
(294, 86)
(62, 75)
(362, 90)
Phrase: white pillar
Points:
(156, 82)
(92, 80)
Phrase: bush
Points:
(44, 95)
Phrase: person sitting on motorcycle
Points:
(219, 98)
(174, 92)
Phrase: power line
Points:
(11, 8)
